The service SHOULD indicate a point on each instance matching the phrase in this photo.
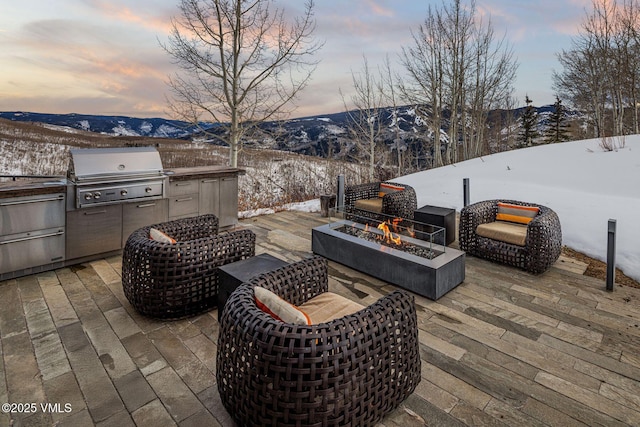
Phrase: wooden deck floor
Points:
(503, 348)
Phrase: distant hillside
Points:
(323, 135)
(109, 125)
(272, 178)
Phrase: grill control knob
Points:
(88, 196)
(97, 195)
(123, 192)
(148, 190)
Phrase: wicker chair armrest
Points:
(397, 306)
(544, 240)
(367, 190)
(481, 212)
(297, 282)
(208, 252)
(401, 204)
(186, 229)
(470, 218)
(231, 245)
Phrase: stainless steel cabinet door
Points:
(92, 231)
(228, 201)
(210, 196)
(141, 214)
(31, 249)
(39, 212)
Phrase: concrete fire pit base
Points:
(431, 278)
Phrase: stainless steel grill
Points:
(102, 176)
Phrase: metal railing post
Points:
(465, 191)
(611, 254)
(340, 194)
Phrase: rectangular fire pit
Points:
(431, 278)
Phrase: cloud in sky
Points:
(104, 56)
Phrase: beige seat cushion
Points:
(371, 205)
(329, 306)
(507, 232)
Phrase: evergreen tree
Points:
(529, 122)
(558, 128)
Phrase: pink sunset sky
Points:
(104, 56)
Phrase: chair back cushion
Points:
(507, 232)
(371, 205)
(516, 213)
(278, 308)
(386, 188)
(329, 306)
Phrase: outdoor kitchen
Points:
(47, 222)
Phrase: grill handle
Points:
(23, 239)
(24, 202)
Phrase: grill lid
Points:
(121, 162)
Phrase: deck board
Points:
(503, 348)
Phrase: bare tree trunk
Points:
(456, 66)
(242, 64)
(365, 116)
(388, 89)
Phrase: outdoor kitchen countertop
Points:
(31, 186)
(176, 174)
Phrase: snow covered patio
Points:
(503, 348)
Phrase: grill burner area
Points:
(103, 176)
(119, 192)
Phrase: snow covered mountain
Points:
(323, 135)
(109, 125)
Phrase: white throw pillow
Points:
(159, 236)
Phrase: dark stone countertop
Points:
(178, 174)
(26, 186)
(30, 186)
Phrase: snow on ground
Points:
(308, 206)
(582, 183)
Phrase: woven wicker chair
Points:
(166, 280)
(542, 245)
(400, 204)
(349, 371)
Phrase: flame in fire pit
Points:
(392, 235)
(388, 235)
(391, 230)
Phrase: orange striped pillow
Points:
(278, 308)
(386, 188)
(516, 213)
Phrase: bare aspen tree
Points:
(365, 116)
(580, 83)
(492, 72)
(601, 27)
(424, 85)
(456, 24)
(630, 17)
(387, 86)
(242, 63)
(601, 71)
(457, 66)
